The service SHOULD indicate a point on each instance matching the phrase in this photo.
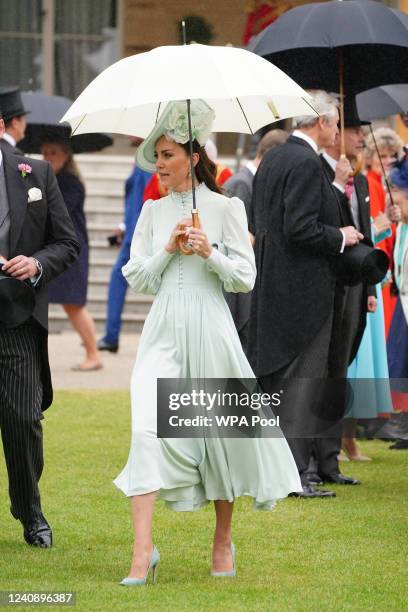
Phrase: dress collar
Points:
(181, 197)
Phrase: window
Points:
(56, 45)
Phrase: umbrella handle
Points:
(182, 240)
(357, 166)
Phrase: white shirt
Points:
(308, 139)
(333, 163)
(9, 139)
(251, 167)
(1, 157)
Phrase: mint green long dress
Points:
(190, 333)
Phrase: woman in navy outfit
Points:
(70, 288)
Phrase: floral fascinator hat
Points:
(173, 124)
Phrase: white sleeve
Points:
(236, 268)
(144, 268)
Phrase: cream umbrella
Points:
(245, 91)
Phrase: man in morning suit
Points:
(37, 242)
(14, 116)
(299, 233)
(351, 303)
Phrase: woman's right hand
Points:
(179, 230)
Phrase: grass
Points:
(349, 553)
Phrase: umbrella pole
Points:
(341, 91)
(387, 184)
(194, 212)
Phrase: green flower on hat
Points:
(173, 124)
(176, 127)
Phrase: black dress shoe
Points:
(310, 492)
(313, 479)
(105, 346)
(399, 445)
(341, 479)
(38, 534)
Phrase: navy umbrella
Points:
(43, 121)
(382, 102)
(345, 46)
(311, 42)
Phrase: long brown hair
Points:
(205, 169)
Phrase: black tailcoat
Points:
(295, 218)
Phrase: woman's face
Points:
(54, 154)
(388, 157)
(400, 198)
(173, 165)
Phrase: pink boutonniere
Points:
(24, 169)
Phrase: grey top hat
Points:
(11, 103)
(173, 123)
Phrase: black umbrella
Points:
(307, 43)
(43, 121)
(339, 46)
(382, 102)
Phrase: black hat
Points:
(11, 103)
(17, 300)
(351, 118)
(362, 264)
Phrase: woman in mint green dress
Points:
(189, 333)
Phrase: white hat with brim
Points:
(173, 124)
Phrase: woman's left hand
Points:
(198, 241)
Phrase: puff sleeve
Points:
(236, 268)
(144, 268)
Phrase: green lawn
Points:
(349, 553)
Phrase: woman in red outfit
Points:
(389, 147)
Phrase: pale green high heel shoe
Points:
(230, 574)
(153, 565)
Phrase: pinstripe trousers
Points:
(20, 416)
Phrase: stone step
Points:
(100, 233)
(120, 165)
(97, 304)
(110, 181)
(105, 199)
(109, 214)
(98, 287)
(100, 249)
(131, 323)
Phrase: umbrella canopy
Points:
(245, 91)
(382, 102)
(44, 121)
(307, 42)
